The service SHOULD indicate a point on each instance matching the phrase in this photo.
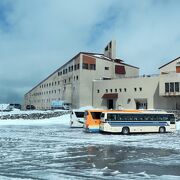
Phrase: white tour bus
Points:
(137, 122)
(77, 118)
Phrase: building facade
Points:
(73, 81)
(103, 81)
(160, 91)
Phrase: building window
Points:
(85, 66)
(125, 89)
(77, 77)
(110, 90)
(135, 89)
(106, 68)
(176, 86)
(69, 79)
(120, 69)
(98, 91)
(115, 90)
(65, 81)
(92, 67)
(120, 90)
(69, 69)
(171, 87)
(166, 87)
(52, 83)
(140, 88)
(77, 66)
(107, 90)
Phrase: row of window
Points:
(89, 66)
(69, 69)
(76, 67)
(44, 100)
(172, 87)
(120, 90)
(139, 117)
(57, 82)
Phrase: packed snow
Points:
(50, 149)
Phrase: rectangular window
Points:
(77, 66)
(92, 67)
(120, 69)
(166, 87)
(106, 68)
(171, 87)
(85, 66)
(176, 86)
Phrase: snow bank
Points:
(4, 107)
(63, 120)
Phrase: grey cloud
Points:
(45, 34)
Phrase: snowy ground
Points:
(49, 149)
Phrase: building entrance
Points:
(110, 104)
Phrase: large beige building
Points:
(103, 81)
(73, 81)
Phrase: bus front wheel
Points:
(125, 130)
(162, 129)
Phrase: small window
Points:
(77, 66)
(77, 77)
(98, 91)
(125, 90)
(92, 67)
(120, 90)
(171, 87)
(140, 88)
(69, 79)
(166, 87)
(176, 86)
(110, 90)
(106, 68)
(135, 89)
(115, 90)
(107, 90)
(85, 66)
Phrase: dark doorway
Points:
(110, 104)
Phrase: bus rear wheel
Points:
(125, 130)
(162, 129)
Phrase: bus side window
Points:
(172, 119)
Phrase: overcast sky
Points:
(38, 36)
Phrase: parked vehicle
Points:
(77, 119)
(137, 122)
(60, 105)
(92, 120)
